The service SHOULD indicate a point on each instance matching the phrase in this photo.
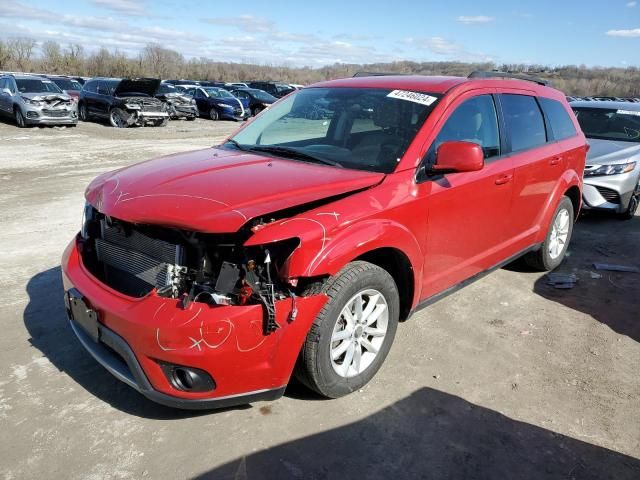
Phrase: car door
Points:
(467, 213)
(5, 98)
(89, 93)
(537, 161)
(103, 99)
(202, 101)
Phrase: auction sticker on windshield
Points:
(629, 112)
(416, 97)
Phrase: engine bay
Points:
(214, 269)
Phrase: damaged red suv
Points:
(209, 278)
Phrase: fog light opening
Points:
(183, 378)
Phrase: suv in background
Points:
(208, 278)
(68, 85)
(257, 100)
(123, 102)
(32, 100)
(277, 89)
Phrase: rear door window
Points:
(524, 121)
(561, 124)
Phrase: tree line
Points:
(25, 55)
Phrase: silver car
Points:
(612, 173)
(32, 100)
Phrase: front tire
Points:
(19, 118)
(352, 335)
(82, 112)
(213, 114)
(630, 212)
(554, 248)
(117, 118)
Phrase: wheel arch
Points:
(398, 265)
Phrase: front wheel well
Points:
(574, 195)
(399, 267)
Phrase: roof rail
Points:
(516, 76)
(375, 74)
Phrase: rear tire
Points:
(256, 111)
(352, 335)
(554, 247)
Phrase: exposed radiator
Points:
(135, 263)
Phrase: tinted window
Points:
(90, 87)
(3, 84)
(524, 121)
(561, 124)
(610, 124)
(475, 121)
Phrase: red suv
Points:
(206, 279)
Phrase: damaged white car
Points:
(31, 100)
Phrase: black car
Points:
(124, 102)
(277, 89)
(258, 99)
(177, 104)
(217, 103)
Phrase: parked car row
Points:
(603, 99)
(37, 99)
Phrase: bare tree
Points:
(21, 51)
(5, 56)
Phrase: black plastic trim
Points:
(124, 365)
(445, 293)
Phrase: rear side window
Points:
(90, 87)
(561, 124)
(475, 120)
(524, 121)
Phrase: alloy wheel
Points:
(559, 233)
(359, 333)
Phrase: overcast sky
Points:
(552, 32)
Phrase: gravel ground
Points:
(508, 378)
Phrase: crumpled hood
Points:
(217, 190)
(605, 152)
(47, 97)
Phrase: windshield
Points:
(37, 86)
(262, 96)
(609, 124)
(66, 84)
(359, 128)
(218, 93)
(167, 88)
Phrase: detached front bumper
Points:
(139, 337)
(610, 192)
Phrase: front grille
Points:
(609, 195)
(134, 263)
(237, 112)
(55, 113)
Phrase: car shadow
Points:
(609, 297)
(46, 321)
(433, 435)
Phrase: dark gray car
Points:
(612, 173)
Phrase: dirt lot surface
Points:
(508, 378)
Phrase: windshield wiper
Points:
(235, 144)
(293, 153)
